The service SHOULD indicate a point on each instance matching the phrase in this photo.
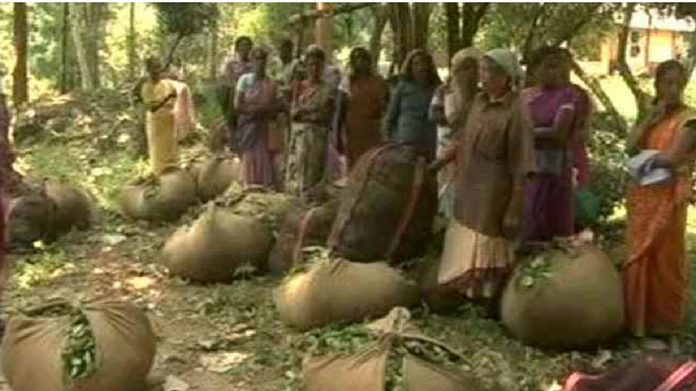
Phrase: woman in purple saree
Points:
(556, 110)
(258, 102)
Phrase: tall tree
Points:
(379, 15)
(472, 16)
(453, 28)
(64, 47)
(20, 84)
(409, 23)
(213, 51)
(132, 56)
(78, 15)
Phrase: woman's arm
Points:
(392, 116)
(437, 108)
(562, 126)
(340, 119)
(681, 149)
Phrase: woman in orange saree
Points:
(656, 271)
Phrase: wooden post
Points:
(324, 26)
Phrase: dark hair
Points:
(316, 52)
(153, 64)
(354, 54)
(407, 69)
(259, 50)
(286, 42)
(241, 39)
(544, 52)
(667, 66)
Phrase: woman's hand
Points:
(437, 165)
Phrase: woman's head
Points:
(285, 49)
(670, 81)
(499, 72)
(153, 67)
(259, 55)
(243, 46)
(420, 66)
(550, 66)
(360, 61)
(315, 61)
(465, 66)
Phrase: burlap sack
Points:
(364, 371)
(387, 208)
(269, 207)
(216, 245)
(166, 199)
(31, 217)
(73, 206)
(302, 228)
(216, 175)
(578, 306)
(336, 290)
(419, 375)
(126, 345)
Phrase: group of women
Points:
(509, 157)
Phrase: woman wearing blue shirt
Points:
(408, 119)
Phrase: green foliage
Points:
(609, 173)
(185, 19)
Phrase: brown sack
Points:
(31, 217)
(216, 175)
(269, 207)
(73, 207)
(420, 375)
(216, 245)
(303, 228)
(336, 290)
(126, 346)
(364, 371)
(387, 208)
(579, 305)
(162, 199)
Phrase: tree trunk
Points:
(421, 25)
(64, 47)
(77, 16)
(642, 99)
(454, 42)
(213, 51)
(472, 16)
(94, 35)
(132, 55)
(20, 87)
(324, 26)
(380, 22)
(604, 99)
(401, 24)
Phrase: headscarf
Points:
(507, 60)
(454, 101)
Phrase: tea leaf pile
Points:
(79, 353)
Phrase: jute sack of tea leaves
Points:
(96, 346)
(73, 206)
(387, 355)
(31, 217)
(387, 208)
(564, 297)
(216, 175)
(269, 207)
(217, 245)
(159, 199)
(301, 228)
(336, 290)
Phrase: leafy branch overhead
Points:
(185, 19)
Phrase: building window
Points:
(634, 44)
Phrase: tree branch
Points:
(604, 99)
(529, 42)
(312, 15)
(581, 23)
(170, 56)
(640, 96)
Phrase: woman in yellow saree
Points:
(656, 283)
(159, 96)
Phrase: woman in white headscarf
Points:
(449, 110)
(495, 154)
